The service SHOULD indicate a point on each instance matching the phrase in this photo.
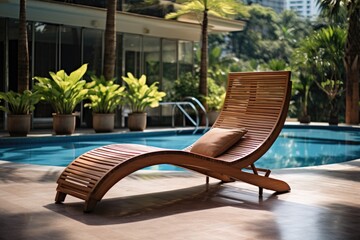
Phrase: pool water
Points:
(63, 152)
(295, 147)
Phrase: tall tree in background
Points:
(110, 40)
(202, 9)
(352, 52)
(257, 41)
(23, 51)
(268, 35)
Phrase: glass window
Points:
(119, 57)
(93, 50)
(46, 46)
(70, 54)
(45, 59)
(132, 54)
(151, 51)
(93, 56)
(186, 57)
(169, 61)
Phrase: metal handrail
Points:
(181, 106)
(202, 109)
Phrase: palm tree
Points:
(302, 59)
(319, 58)
(110, 41)
(23, 51)
(352, 52)
(203, 8)
(331, 64)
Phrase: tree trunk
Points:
(110, 41)
(204, 58)
(23, 52)
(352, 67)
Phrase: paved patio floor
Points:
(324, 204)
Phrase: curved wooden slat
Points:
(257, 101)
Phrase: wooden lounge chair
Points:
(256, 101)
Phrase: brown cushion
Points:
(217, 140)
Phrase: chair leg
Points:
(207, 183)
(255, 170)
(60, 197)
(90, 205)
(260, 191)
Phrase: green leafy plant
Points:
(215, 102)
(105, 96)
(63, 91)
(19, 103)
(186, 85)
(139, 95)
(216, 95)
(333, 89)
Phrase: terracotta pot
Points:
(18, 125)
(137, 121)
(64, 124)
(103, 122)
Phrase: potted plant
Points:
(105, 97)
(139, 96)
(63, 92)
(20, 106)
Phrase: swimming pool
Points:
(297, 146)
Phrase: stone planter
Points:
(18, 125)
(64, 124)
(137, 121)
(103, 122)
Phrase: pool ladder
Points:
(191, 102)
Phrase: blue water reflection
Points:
(295, 147)
(311, 147)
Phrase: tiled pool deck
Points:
(324, 203)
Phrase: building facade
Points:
(304, 8)
(277, 5)
(65, 35)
